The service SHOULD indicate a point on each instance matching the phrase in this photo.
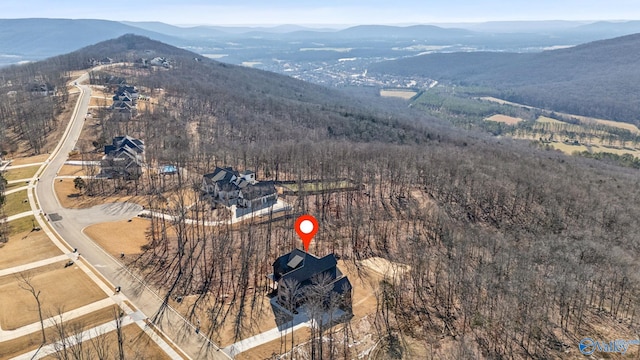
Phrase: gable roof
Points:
(223, 175)
(258, 190)
(227, 186)
(125, 143)
(289, 266)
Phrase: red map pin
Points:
(306, 227)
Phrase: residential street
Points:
(69, 224)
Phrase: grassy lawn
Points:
(21, 225)
(25, 247)
(120, 236)
(14, 203)
(59, 287)
(21, 345)
(30, 159)
(21, 173)
(137, 345)
(14, 186)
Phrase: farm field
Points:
(509, 120)
(399, 93)
(590, 136)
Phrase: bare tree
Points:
(117, 314)
(289, 295)
(27, 285)
(100, 346)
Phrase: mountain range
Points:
(36, 38)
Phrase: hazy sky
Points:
(348, 12)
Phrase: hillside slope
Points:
(514, 252)
(598, 79)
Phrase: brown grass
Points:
(120, 236)
(400, 93)
(21, 345)
(21, 225)
(30, 159)
(67, 195)
(60, 288)
(15, 203)
(268, 350)
(548, 120)
(568, 148)
(71, 170)
(365, 282)
(27, 247)
(509, 120)
(14, 186)
(98, 100)
(137, 345)
(21, 173)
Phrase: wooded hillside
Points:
(513, 252)
(596, 79)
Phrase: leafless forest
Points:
(513, 252)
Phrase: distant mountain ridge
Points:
(39, 38)
(598, 79)
(34, 39)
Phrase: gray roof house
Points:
(302, 268)
(124, 101)
(123, 158)
(253, 196)
(227, 186)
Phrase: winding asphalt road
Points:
(70, 222)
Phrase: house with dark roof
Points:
(305, 270)
(41, 89)
(229, 187)
(254, 196)
(125, 100)
(123, 158)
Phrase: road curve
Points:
(69, 224)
